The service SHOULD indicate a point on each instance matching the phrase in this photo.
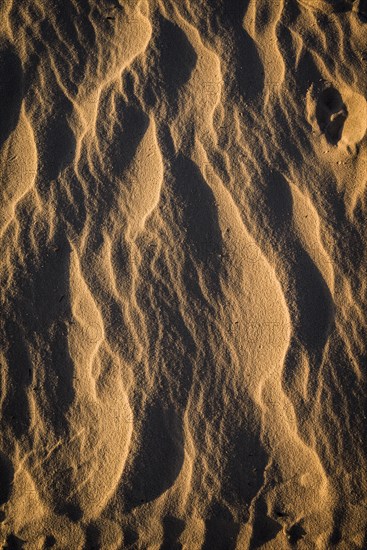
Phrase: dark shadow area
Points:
(15, 405)
(347, 238)
(265, 528)
(176, 59)
(128, 130)
(14, 543)
(75, 35)
(362, 11)
(331, 6)
(172, 529)
(40, 312)
(336, 536)
(313, 310)
(221, 531)
(11, 90)
(159, 458)
(131, 537)
(248, 72)
(278, 201)
(312, 320)
(331, 114)
(6, 478)
(93, 538)
(197, 216)
(50, 541)
(308, 72)
(57, 141)
(40, 322)
(315, 305)
(116, 151)
(70, 510)
(244, 469)
(295, 533)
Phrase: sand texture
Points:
(183, 274)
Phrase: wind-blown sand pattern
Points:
(183, 337)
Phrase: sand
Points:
(183, 274)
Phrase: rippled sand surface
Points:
(183, 274)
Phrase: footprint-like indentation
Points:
(295, 533)
(340, 114)
(331, 114)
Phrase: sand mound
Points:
(183, 285)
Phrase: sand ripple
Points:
(182, 281)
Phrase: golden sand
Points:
(183, 332)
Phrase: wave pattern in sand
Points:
(182, 280)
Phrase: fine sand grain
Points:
(183, 274)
